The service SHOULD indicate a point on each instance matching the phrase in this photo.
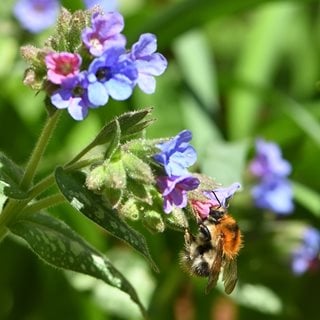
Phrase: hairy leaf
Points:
(10, 177)
(91, 205)
(60, 246)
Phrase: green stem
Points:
(14, 207)
(39, 150)
(49, 180)
(3, 233)
(44, 203)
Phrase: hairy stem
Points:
(39, 149)
(44, 203)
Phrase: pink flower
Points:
(203, 208)
(62, 65)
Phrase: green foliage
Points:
(10, 177)
(237, 70)
(57, 244)
(92, 206)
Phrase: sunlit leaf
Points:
(225, 162)
(198, 73)
(129, 123)
(60, 246)
(258, 297)
(92, 206)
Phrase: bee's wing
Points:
(230, 274)
(216, 266)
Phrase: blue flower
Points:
(104, 33)
(274, 190)
(218, 197)
(111, 74)
(274, 194)
(73, 96)
(269, 160)
(148, 62)
(177, 154)
(106, 5)
(221, 196)
(36, 15)
(306, 256)
(174, 190)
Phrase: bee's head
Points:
(216, 214)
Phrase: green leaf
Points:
(258, 297)
(126, 126)
(115, 140)
(130, 123)
(169, 23)
(303, 118)
(60, 246)
(226, 162)
(307, 197)
(198, 73)
(10, 177)
(91, 205)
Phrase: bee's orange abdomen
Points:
(230, 231)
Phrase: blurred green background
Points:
(238, 70)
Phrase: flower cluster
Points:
(38, 15)
(110, 70)
(274, 191)
(175, 157)
(306, 256)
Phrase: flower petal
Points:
(97, 94)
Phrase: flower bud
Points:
(153, 221)
(115, 175)
(130, 210)
(176, 220)
(112, 197)
(137, 169)
(96, 179)
(143, 149)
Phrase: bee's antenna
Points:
(220, 205)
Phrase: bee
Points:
(215, 247)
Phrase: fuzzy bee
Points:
(215, 247)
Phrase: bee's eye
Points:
(205, 232)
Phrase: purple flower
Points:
(73, 96)
(104, 33)
(274, 191)
(148, 62)
(306, 257)
(174, 190)
(274, 194)
(221, 196)
(111, 74)
(36, 15)
(106, 5)
(177, 154)
(269, 160)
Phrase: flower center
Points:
(95, 42)
(77, 91)
(103, 74)
(65, 68)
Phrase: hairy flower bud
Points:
(130, 210)
(153, 221)
(137, 169)
(96, 179)
(176, 220)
